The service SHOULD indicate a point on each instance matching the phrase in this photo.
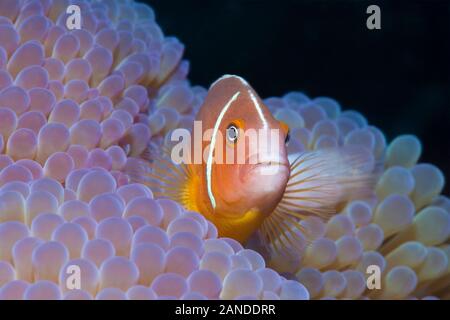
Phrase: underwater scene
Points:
(225, 157)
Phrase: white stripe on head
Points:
(252, 96)
(213, 145)
(226, 76)
(258, 109)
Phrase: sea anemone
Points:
(403, 227)
(77, 108)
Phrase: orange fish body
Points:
(231, 194)
(243, 184)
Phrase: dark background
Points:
(398, 77)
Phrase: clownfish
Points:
(268, 192)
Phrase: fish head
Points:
(245, 159)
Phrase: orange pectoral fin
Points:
(284, 127)
(239, 229)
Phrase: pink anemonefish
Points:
(241, 198)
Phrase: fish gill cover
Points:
(78, 108)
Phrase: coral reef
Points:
(76, 110)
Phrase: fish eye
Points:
(232, 133)
(288, 137)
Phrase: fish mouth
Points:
(269, 168)
(270, 163)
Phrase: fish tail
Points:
(321, 182)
